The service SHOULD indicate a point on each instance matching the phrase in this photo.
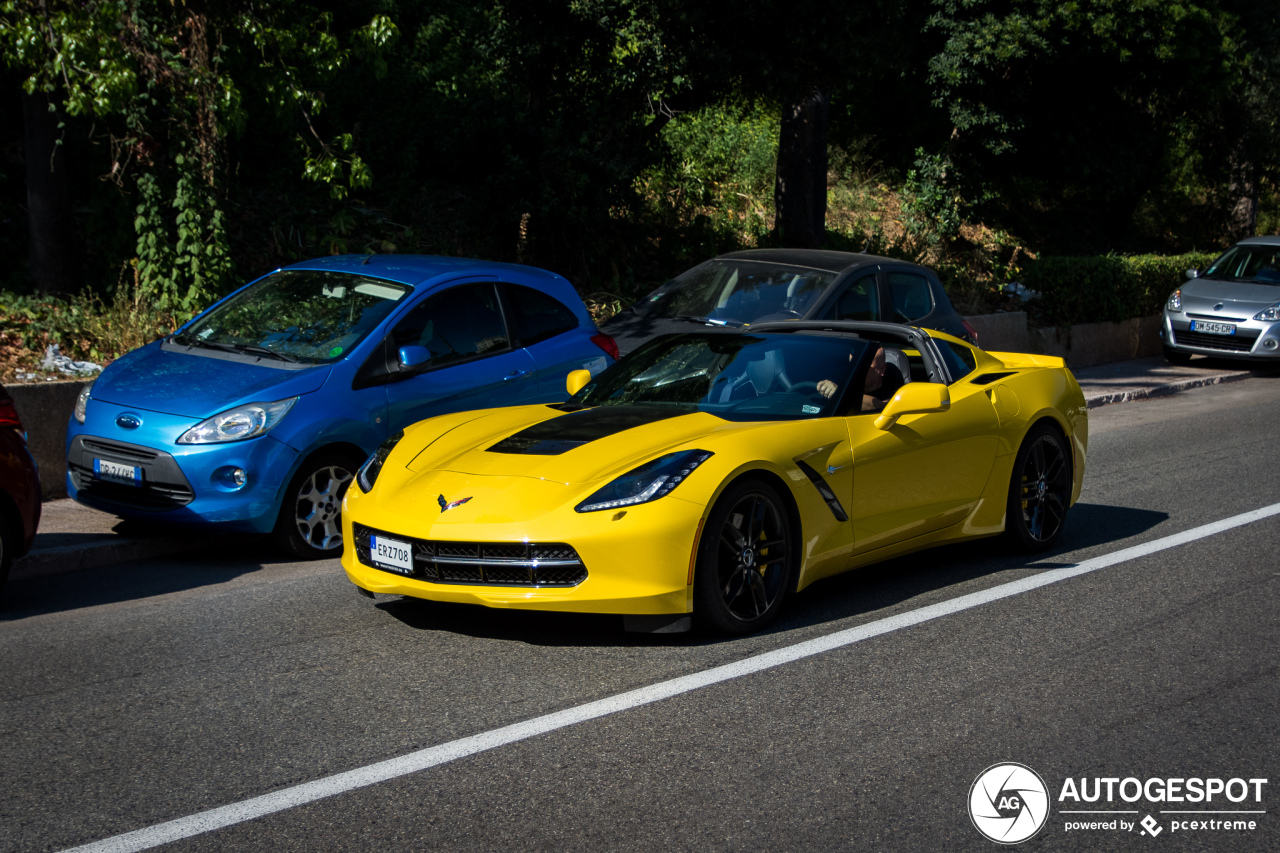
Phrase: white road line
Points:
(340, 783)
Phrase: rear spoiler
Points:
(1026, 359)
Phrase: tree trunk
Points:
(800, 191)
(54, 250)
(1242, 195)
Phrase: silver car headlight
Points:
(82, 402)
(1175, 301)
(652, 480)
(1269, 314)
(243, 422)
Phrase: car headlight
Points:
(1272, 313)
(652, 480)
(368, 473)
(1175, 301)
(242, 422)
(82, 402)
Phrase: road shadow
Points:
(869, 589)
(219, 561)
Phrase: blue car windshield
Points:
(308, 316)
(1259, 264)
(737, 291)
(734, 376)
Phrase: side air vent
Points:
(988, 378)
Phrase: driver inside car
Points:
(872, 386)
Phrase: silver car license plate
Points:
(391, 554)
(1212, 328)
(114, 472)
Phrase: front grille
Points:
(482, 563)
(1216, 318)
(119, 450)
(164, 487)
(1242, 341)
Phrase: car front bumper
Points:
(179, 483)
(1250, 340)
(635, 562)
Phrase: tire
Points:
(746, 559)
(1174, 356)
(310, 523)
(1039, 490)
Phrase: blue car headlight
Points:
(368, 473)
(243, 422)
(82, 401)
(652, 480)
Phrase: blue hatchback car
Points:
(255, 415)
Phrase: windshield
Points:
(1258, 264)
(305, 316)
(739, 292)
(733, 376)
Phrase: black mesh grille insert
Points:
(480, 563)
(1242, 342)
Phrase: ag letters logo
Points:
(1008, 803)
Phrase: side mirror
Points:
(576, 381)
(915, 398)
(1190, 274)
(414, 356)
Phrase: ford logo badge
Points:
(128, 422)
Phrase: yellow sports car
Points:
(706, 476)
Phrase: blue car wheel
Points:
(310, 522)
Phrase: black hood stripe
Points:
(562, 434)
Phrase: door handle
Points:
(515, 374)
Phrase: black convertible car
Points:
(767, 285)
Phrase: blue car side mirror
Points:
(414, 356)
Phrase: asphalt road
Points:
(154, 692)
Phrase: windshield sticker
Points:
(381, 291)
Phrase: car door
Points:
(924, 473)
(473, 364)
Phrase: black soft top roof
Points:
(821, 259)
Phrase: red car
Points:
(19, 488)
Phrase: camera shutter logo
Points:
(1008, 803)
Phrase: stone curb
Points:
(65, 559)
(1163, 389)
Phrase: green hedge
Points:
(1108, 287)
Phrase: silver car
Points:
(1231, 309)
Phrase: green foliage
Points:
(85, 327)
(932, 202)
(720, 164)
(1108, 287)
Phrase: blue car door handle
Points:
(515, 374)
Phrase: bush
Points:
(1107, 287)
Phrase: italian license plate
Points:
(1212, 328)
(114, 472)
(391, 554)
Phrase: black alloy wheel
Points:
(310, 523)
(1040, 489)
(745, 560)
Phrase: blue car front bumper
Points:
(149, 475)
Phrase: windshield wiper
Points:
(256, 349)
(737, 324)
